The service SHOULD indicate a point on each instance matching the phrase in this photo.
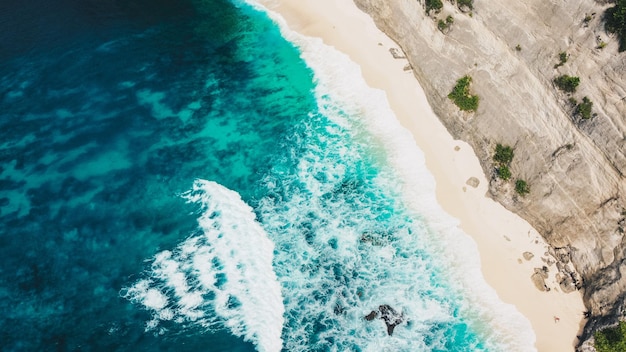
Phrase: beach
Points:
(501, 236)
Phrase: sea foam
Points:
(402, 270)
(221, 276)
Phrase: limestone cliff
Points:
(575, 167)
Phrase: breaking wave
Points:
(221, 276)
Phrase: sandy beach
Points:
(502, 237)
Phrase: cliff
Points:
(575, 167)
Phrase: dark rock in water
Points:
(391, 317)
(371, 316)
(373, 239)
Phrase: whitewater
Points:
(349, 223)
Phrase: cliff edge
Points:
(574, 166)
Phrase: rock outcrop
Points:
(575, 167)
(390, 316)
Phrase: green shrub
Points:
(435, 5)
(468, 3)
(584, 108)
(441, 25)
(611, 339)
(518, 47)
(572, 101)
(504, 172)
(445, 25)
(562, 59)
(567, 83)
(461, 97)
(521, 187)
(615, 18)
(504, 154)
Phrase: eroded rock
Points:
(373, 315)
(472, 182)
(539, 281)
(390, 316)
(397, 53)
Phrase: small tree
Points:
(461, 96)
(435, 5)
(584, 108)
(615, 18)
(562, 59)
(503, 157)
(611, 339)
(504, 154)
(441, 25)
(504, 172)
(466, 3)
(567, 83)
(521, 187)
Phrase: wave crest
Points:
(220, 276)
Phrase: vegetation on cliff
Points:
(443, 26)
(611, 339)
(562, 59)
(435, 5)
(503, 157)
(567, 83)
(504, 154)
(504, 172)
(521, 187)
(461, 96)
(465, 3)
(584, 108)
(615, 18)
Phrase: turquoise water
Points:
(176, 175)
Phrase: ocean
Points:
(191, 175)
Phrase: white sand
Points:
(501, 236)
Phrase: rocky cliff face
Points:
(575, 167)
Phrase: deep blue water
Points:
(109, 110)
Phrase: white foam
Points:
(344, 97)
(155, 300)
(182, 284)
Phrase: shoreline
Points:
(500, 235)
